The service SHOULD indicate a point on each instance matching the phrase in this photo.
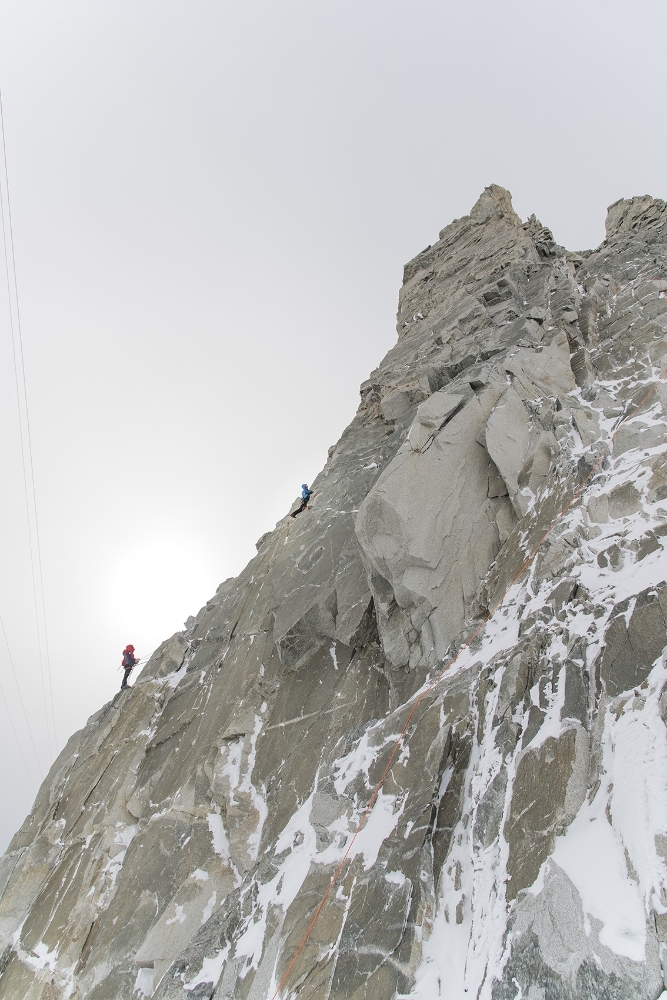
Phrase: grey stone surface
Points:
(185, 838)
(549, 788)
(554, 955)
(418, 549)
(633, 646)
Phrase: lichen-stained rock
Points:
(418, 747)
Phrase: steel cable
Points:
(19, 364)
(25, 714)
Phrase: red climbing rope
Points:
(427, 690)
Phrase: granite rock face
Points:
(517, 847)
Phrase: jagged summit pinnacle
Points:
(495, 202)
(495, 516)
(493, 210)
(628, 215)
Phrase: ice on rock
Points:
(418, 747)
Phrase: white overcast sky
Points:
(212, 204)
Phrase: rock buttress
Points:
(185, 837)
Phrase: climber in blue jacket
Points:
(306, 494)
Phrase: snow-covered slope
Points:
(418, 747)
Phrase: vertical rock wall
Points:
(517, 848)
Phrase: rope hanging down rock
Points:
(433, 684)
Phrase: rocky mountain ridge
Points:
(517, 847)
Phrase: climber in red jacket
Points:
(127, 663)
